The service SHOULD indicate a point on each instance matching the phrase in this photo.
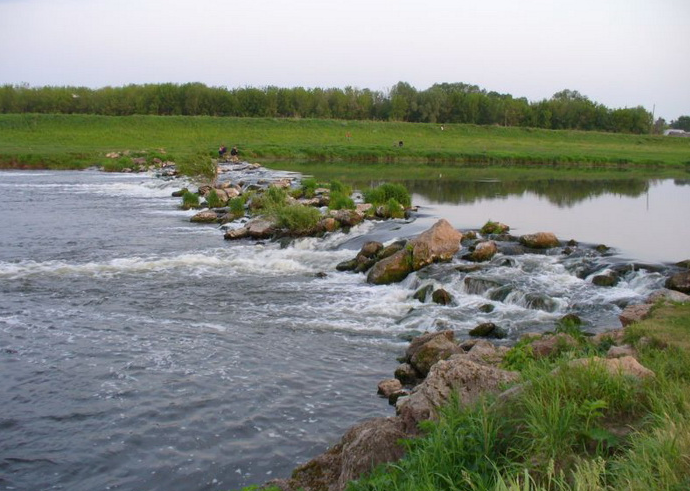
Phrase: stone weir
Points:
(436, 366)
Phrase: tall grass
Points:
(572, 428)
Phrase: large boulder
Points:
(540, 240)
(260, 228)
(440, 243)
(457, 375)
(425, 350)
(679, 282)
(363, 447)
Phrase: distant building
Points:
(673, 132)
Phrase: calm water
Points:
(140, 351)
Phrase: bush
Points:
(213, 200)
(199, 167)
(297, 219)
(308, 187)
(394, 209)
(340, 201)
(190, 200)
(339, 187)
(382, 194)
(236, 206)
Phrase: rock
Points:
(363, 447)
(236, 234)
(486, 353)
(487, 308)
(179, 193)
(391, 249)
(488, 330)
(348, 265)
(684, 264)
(363, 208)
(668, 295)
(393, 269)
(388, 387)
(260, 228)
(551, 344)
(626, 365)
(329, 224)
(206, 216)
(440, 243)
(370, 249)
(483, 251)
(459, 375)
(407, 374)
(540, 240)
(602, 248)
(605, 280)
(679, 282)
(494, 228)
(614, 335)
(469, 268)
(422, 293)
(634, 313)
(428, 349)
(621, 351)
(540, 301)
(477, 286)
(441, 297)
(348, 218)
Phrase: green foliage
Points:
(236, 206)
(297, 219)
(441, 103)
(520, 356)
(199, 167)
(190, 200)
(682, 123)
(309, 185)
(213, 199)
(394, 209)
(275, 197)
(491, 227)
(340, 201)
(339, 187)
(381, 195)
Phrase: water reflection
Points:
(562, 193)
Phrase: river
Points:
(141, 351)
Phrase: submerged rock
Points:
(441, 297)
(482, 252)
(488, 330)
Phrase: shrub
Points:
(339, 187)
(382, 194)
(236, 206)
(340, 201)
(394, 209)
(190, 200)
(297, 219)
(199, 167)
(213, 199)
(275, 196)
(308, 187)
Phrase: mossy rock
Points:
(606, 280)
(422, 293)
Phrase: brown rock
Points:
(392, 269)
(457, 375)
(260, 228)
(540, 240)
(621, 351)
(615, 335)
(486, 353)
(236, 234)
(437, 347)
(626, 365)
(389, 386)
(441, 297)
(440, 243)
(551, 343)
(206, 216)
(670, 295)
(483, 251)
(407, 374)
(634, 313)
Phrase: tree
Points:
(682, 123)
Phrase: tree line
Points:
(441, 103)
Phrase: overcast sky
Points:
(621, 53)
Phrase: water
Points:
(140, 351)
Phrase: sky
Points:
(620, 53)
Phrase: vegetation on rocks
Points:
(568, 425)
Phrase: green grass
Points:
(76, 141)
(578, 428)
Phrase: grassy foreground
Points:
(577, 429)
(77, 141)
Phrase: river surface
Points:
(141, 351)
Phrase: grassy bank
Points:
(579, 428)
(76, 141)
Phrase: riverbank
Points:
(78, 141)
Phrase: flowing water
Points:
(141, 351)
